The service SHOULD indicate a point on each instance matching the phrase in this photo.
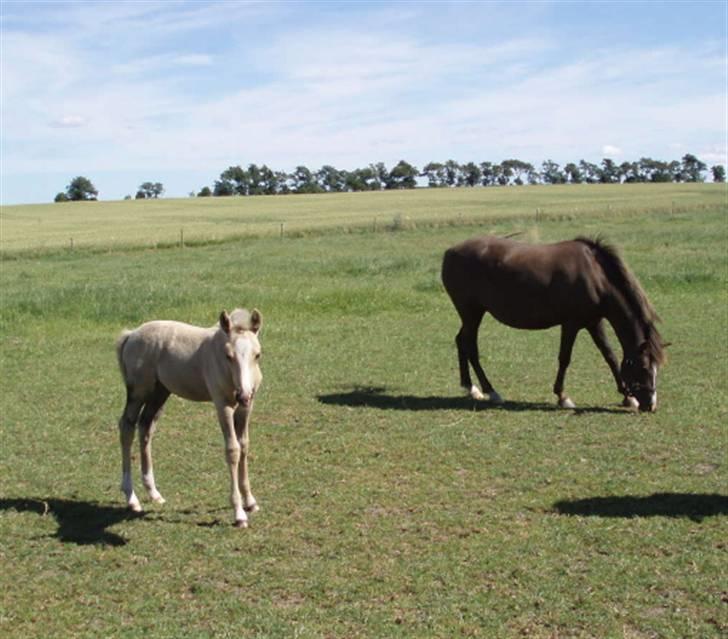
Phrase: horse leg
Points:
(242, 432)
(568, 336)
(467, 344)
(600, 339)
(127, 425)
(225, 415)
(147, 422)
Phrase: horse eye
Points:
(257, 356)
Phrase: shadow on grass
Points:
(692, 506)
(79, 522)
(377, 397)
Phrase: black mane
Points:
(628, 285)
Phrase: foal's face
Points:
(640, 378)
(243, 354)
(242, 351)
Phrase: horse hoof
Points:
(495, 398)
(241, 523)
(566, 403)
(159, 500)
(476, 394)
(253, 508)
(135, 506)
(630, 402)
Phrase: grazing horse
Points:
(575, 284)
(218, 364)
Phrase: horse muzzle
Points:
(649, 405)
(244, 399)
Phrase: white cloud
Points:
(611, 150)
(69, 122)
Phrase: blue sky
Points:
(175, 92)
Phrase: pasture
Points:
(392, 505)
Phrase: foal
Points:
(218, 364)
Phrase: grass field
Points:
(159, 223)
(391, 505)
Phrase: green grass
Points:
(391, 506)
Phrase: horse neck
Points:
(627, 326)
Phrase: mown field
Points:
(391, 505)
(161, 223)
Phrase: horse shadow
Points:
(79, 522)
(694, 506)
(378, 397)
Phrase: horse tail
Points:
(120, 343)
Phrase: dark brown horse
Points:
(575, 284)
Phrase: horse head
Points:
(639, 374)
(242, 352)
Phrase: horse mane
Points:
(627, 284)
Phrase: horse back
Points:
(524, 285)
(167, 352)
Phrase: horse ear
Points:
(256, 320)
(225, 322)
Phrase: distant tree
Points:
(609, 173)
(435, 174)
(573, 174)
(381, 174)
(452, 171)
(656, 170)
(303, 181)
(551, 173)
(127, 197)
(61, 197)
(692, 168)
(630, 172)
(402, 176)
(205, 191)
(501, 174)
(79, 189)
(140, 195)
(470, 174)
(487, 174)
(369, 178)
(233, 181)
(282, 179)
(269, 181)
(589, 171)
(360, 180)
(517, 170)
(223, 187)
(150, 190)
(331, 179)
(718, 172)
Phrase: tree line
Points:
(262, 180)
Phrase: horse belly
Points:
(182, 378)
(534, 319)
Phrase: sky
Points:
(176, 92)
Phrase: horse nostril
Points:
(243, 398)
